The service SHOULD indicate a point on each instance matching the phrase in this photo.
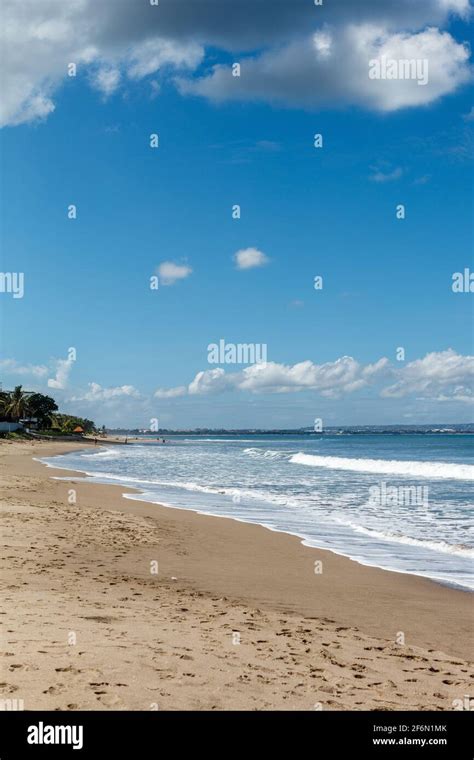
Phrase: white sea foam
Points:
(321, 502)
(103, 454)
(444, 470)
(267, 453)
(437, 546)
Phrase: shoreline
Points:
(134, 492)
(220, 570)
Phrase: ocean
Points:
(398, 502)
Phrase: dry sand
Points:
(88, 625)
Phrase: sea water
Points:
(400, 502)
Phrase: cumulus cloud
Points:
(441, 376)
(444, 374)
(331, 379)
(311, 72)
(250, 258)
(169, 272)
(211, 381)
(97, 393)
(308, 55)
(63, 370)
(111, 42)
(12, 367)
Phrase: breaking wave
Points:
(445, 470)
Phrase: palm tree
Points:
(4, 398)
(16, 405)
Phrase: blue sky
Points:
(387, 282)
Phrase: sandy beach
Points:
(118, 604)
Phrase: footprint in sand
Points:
(54, 689)
(68, 669)
(110, 700)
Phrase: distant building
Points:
(29, 423)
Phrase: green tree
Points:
(67, 422)
(42, 407)
(17, 404)
(4, 397)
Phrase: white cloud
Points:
(447, 66)
(441, 376)
(444, 374)
(12, 367)
(63, 369)
(322, 42)
(40, 39)
(181, 390)
(169, 272)
(36, 107)
(249, 258)
(310, 55)
(97, 393)
(336, 72)
(464, 395)
(210, 381)
(106, 80)
(332, 379)
(153, 54)
(461, 393)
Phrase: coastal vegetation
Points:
(35, 411)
